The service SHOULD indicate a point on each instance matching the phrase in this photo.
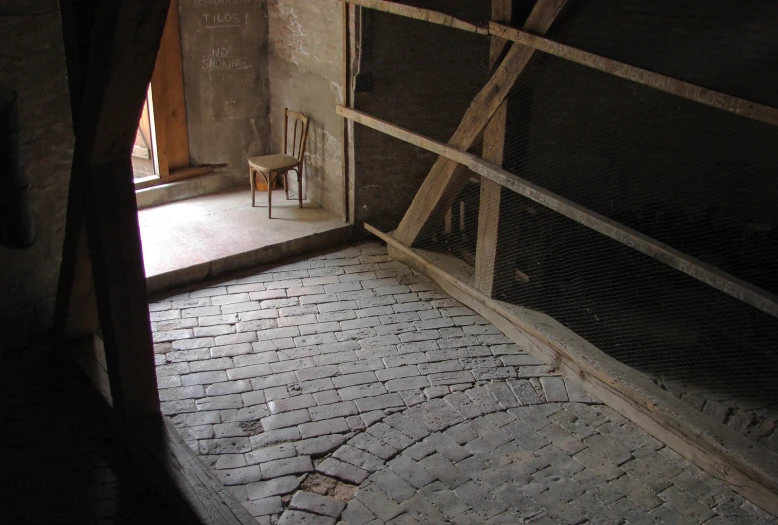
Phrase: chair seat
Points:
(273, 162)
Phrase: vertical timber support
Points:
(493, 149)
(111, 48)
(346, 101)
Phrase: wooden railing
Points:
(727, 455)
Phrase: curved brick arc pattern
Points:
(352, 365)
(471, 460)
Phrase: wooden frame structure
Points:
(493, 151)
(687, 264)
(101, 313)
(110, 49)
(658, 413)
(449, 173)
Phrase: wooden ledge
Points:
(751, 470)
(178, 175)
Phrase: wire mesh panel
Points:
(695, 178)
(417, 75)
(698, 179)
(638, 310)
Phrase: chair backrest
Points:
(299, 136)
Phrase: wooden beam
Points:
(488, 230)
(122, 47)
(79, 317)
(711, 446)
(89, 354)
(169, 107)
(418, 13)
(178, 175)
(687, 264)
(345, 98)
(75, 272)
(687, 90)
(493, 149)
(445, 181)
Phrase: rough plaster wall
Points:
(306, 68)
(32, 62)
(224, 48)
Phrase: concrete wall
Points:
(33, 63)
(224, 48)
(306, 69)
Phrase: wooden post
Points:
(110, 63)
(346, 101)
(446, 179)
(494, 147)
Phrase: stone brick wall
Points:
(305, 65)
(33, 63)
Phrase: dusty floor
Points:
(193, 232)
(346, 373)
(61, 461)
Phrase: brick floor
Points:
(60, 461)
(350, 368)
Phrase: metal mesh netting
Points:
(696, 178)
(399, 58)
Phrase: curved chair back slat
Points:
(299, 137)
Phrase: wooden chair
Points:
(271, 166)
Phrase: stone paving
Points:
(345, 388)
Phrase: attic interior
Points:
(568, 203)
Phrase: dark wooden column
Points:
(111, 48)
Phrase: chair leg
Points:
(286, 184)
(300, 187)
(268, 181)
(253, 187)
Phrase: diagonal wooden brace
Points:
(110, 61)
(446, 178)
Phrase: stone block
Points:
(283, 467)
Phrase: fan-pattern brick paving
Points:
(345, 388)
